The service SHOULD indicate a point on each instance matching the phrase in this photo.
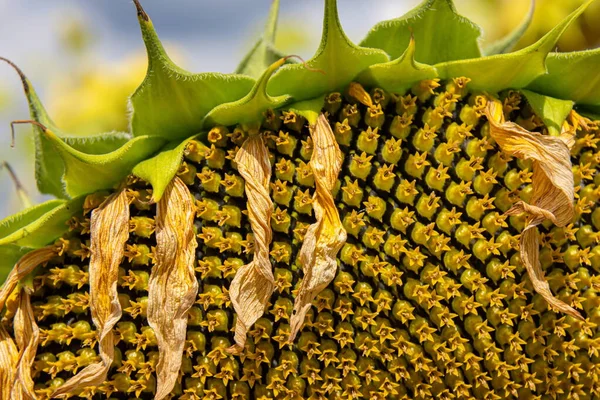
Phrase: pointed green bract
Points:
(22, 219)
(552, 111)
(440, 32)
(251, 107)
(263, 53)
(49, 167)
(16, 227)
(309, 109)
(515, 70)
(339, 59)
(160, 169)
(399, 74)
(573, 76)
(86, 173)
(172, 102)
(507, 43)
(40, 225)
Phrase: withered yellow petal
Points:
(26, 264)
(9, 354)
(358, 92)
(109, 233)
(8, 366)
(551, 165)
(27, 335)
(173, 285)
(325, 237)
(529, 243)
(553, 190)
(253, 283)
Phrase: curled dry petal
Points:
(109, 233)
(253, 283)
(173, 285)
(27, 335)
(553, 190)
(530, 254)
(325, 237)
(9, 356)
(24, 267)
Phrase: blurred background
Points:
(85, 57)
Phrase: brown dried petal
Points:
(253, 283)
(173, 285)
(530, 255)
(8, 366)
(553, 190)
(325, 237)
(24, 266)
(109, 233)
(9, 355)
(27, 336)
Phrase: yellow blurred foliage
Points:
(75, 33)
(293, 37)
(95, 99)
(499, 17)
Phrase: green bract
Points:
(172, 105)
(251, 108)
(441, 34)
(34, 228)
(172, 102)
(552, 111)
(50, 166)
(579, 80)
(160, 169)
(339, 59)
(400, 73)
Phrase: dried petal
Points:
(26, 264)
(27, 336)
(253, 283)
(553, 190)
(9, 355)
(8, 365)
(109, 233)
(325, 237)
(173, 285)
(356, 91)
